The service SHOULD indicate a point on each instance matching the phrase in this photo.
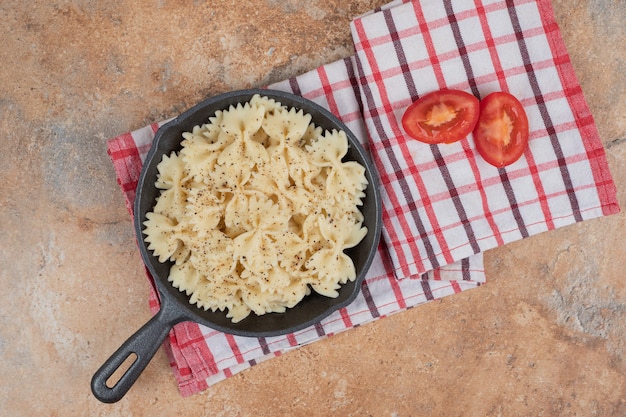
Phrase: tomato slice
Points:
(501, 134)
(443, 116)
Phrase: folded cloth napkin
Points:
(360, 90)
(443, 203)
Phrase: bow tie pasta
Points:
(256, 210)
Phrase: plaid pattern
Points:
(445, 203)
(360, 91)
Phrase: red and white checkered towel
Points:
(444, 206)
(445, 203)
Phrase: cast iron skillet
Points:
(175, 306)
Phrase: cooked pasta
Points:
(257, 209)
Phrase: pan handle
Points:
(144, 344)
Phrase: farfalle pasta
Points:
(257, 209)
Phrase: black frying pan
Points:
(175, 305)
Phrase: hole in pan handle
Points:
(143, 344)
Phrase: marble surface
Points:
(545, 337)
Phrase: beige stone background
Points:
(545, 337)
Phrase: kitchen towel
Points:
(366, 94)
(443, 203)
